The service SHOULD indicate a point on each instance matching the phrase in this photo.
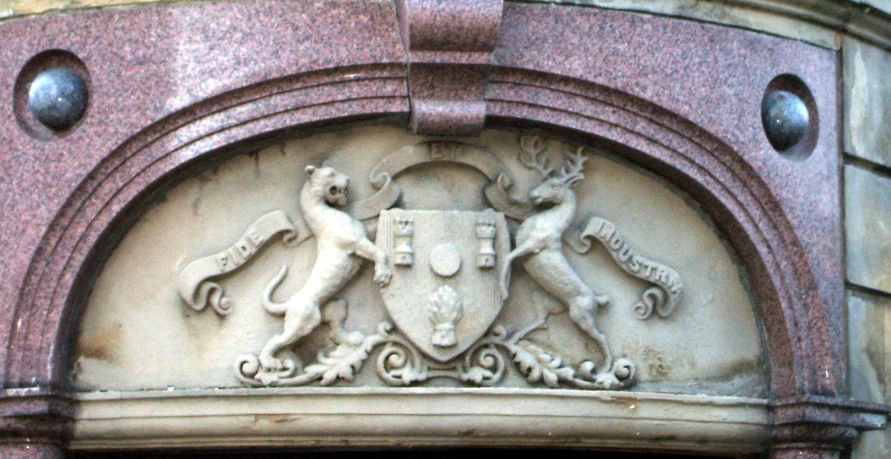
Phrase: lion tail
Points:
(268, 304)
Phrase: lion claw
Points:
(382, 277)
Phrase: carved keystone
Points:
(449, 46)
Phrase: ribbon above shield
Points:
(497, 191)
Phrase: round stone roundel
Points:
(445, 260)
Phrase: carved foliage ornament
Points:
(443, 275)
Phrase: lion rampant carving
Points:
(341, 243)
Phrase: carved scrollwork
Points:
(341, 362)
(667, 288)
(483, 365)
(430, 342)
(650, 299)
(400, 363)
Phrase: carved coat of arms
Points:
(444, 276)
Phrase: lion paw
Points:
(382, 275)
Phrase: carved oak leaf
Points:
(538, 365)
(343, 362)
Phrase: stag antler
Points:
(573, 164)
(532, 146)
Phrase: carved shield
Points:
(444, 294)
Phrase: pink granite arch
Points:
(717, 177)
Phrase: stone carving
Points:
(342, 362)
(403, 254)
(445, 260)
(340, 241)
(194, 286)
(444, 312)
(663, 296)
(485, 234)
(449, 238)
(539, 247)
(452, 331)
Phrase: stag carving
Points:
(538, 241)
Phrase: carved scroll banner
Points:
(193, 284)
(496, 191)
(662, 297)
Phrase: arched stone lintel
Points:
(743, 211)
(730, 195)
(805, 332)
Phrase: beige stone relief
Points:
(444, 300)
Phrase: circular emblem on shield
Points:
(445, 260)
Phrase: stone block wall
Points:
(867, 147)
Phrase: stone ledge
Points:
(414, 417)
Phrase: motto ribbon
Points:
(193, 284)
(662, 297)
(480, 159)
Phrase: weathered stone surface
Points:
(736, 14)
(872, 444)
(485, 417)
(868, 319)
(628, 84)
(138, 334)
(884, 5)
(31, 451)
(868, 228)
(867, 101)
(869, 341)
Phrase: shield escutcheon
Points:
(444, 294)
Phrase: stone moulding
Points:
(695, 125)
(448, 62)
(482, 417)
(814, 21)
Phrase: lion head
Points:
(328, 184)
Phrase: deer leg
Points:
(521, 250)
(581, 311)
